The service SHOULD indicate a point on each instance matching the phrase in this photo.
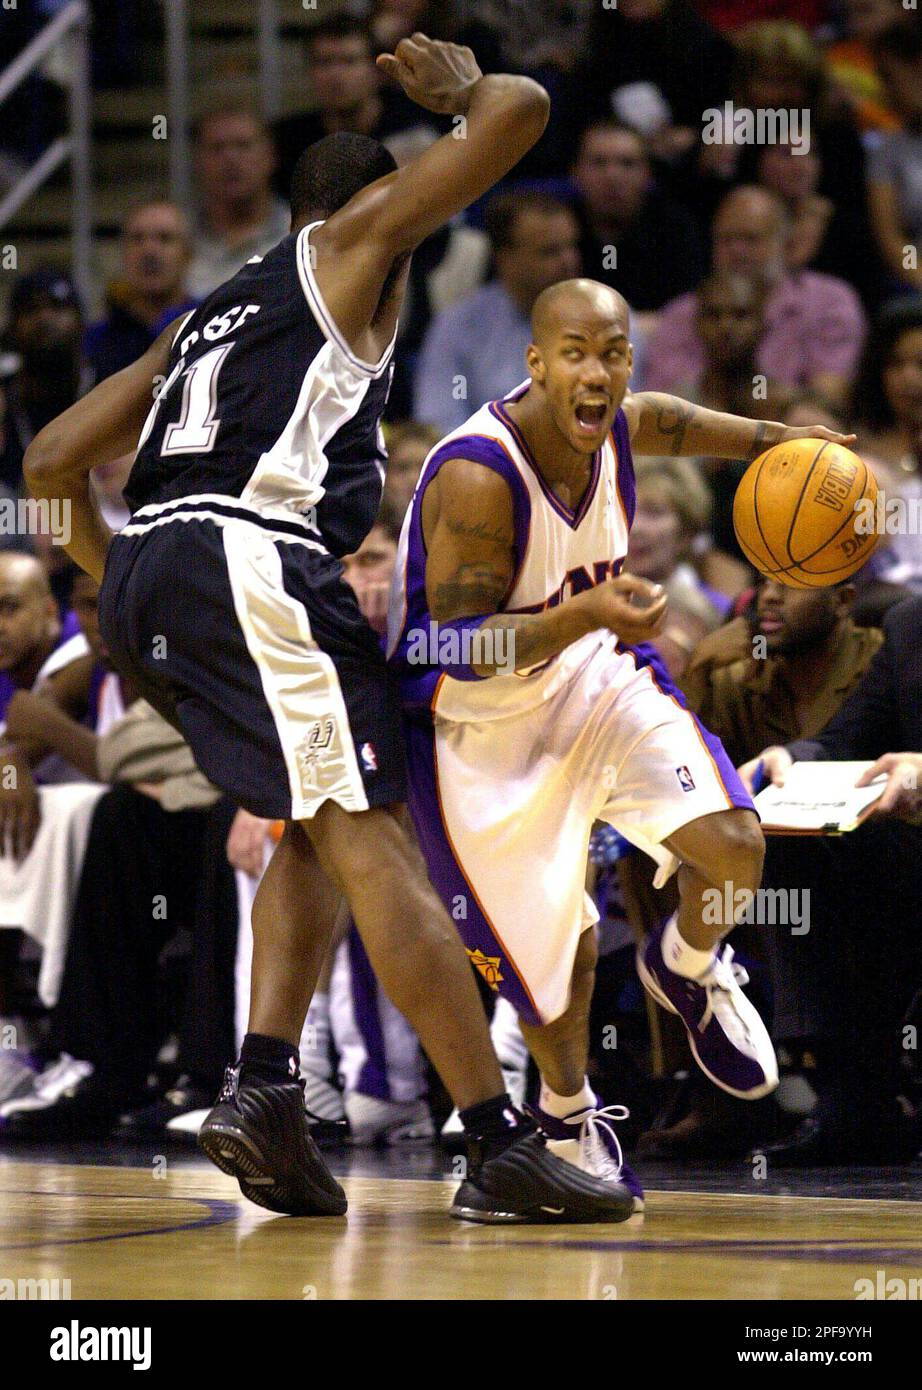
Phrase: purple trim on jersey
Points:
(646, 655)
(621, 440)
(459, 670)
(372, 1079)
(417, 682)
(566, 514)
(446, 874)
(8, 687)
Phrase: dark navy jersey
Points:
(266, 405)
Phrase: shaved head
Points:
(572, 301)
(25, 574)
(580, 361)
(30, 624)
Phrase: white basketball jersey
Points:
(559, 552)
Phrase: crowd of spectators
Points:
(777, 278)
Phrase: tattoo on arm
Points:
(471, 590)
(529, 637)
(673, 419)
(479, 531)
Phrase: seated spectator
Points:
(730, 326)
(853, 66)
(45, 331)
(349, 94)
(38, 652)
(475, 351)
(148, 871)
(795, 176)
(673, 508)
(113, 856)
(779, 67)
(814, 656)
(408, 443)
(239, 216)
(10, 449)
(150, 292)
(34, 641)
(632, 228)
(536, 39)
(656, 65)
(895, 163)
(389, 21)
(814, 323)
(887, 401)
(842, 988)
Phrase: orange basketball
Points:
(796, 517)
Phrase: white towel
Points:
(37, 894)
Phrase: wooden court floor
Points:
(184, 1232)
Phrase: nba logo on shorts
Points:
(686, 781)
(369, 757)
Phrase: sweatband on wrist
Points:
(452, 647)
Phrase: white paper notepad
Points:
(818, 799)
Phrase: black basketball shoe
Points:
(526, 1183)
(260, 1135)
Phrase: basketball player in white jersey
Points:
(529, 716)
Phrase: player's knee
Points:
(739, 849)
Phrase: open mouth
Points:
(590, 416)
(769, 624)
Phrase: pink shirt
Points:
(813, 323)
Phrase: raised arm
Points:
(661, 424)
(470, 540)
(499, 118)
(103, 426)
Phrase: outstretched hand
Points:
(436, 75)
(818, 432)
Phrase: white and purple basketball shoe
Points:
(587, 1139)
(729, 1041)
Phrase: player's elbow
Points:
(534, 108)
(47, 462)
(40, 464)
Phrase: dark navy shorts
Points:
(250, 642)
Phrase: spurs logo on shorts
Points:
(314, 748)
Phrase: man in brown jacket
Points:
(783, 676)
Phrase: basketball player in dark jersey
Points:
(260, 464)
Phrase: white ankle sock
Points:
(682, 958)
(562, 1106)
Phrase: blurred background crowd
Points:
(772, 280)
